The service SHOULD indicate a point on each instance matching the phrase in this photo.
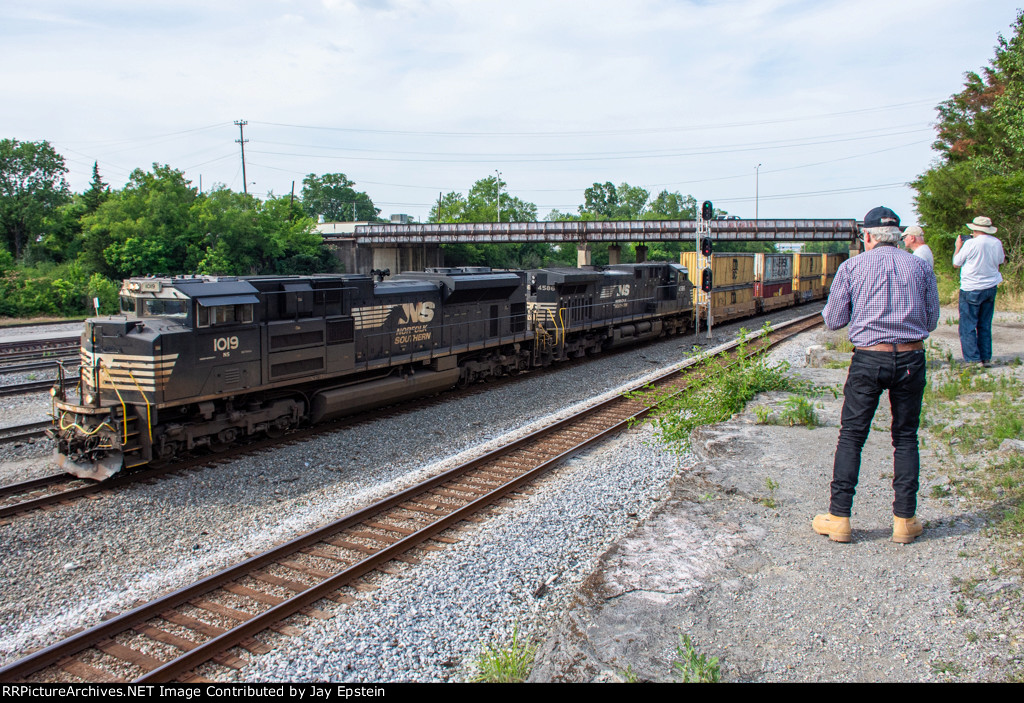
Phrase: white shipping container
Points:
(774, 267)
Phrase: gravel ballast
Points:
(64, 568)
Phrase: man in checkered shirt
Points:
(890, 300)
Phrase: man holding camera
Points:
(978, 256)
(890, 300)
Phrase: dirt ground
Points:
(731, 561)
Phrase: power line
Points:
(714, 151)
(880, 132)
(610, 132)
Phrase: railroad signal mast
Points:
(702, 240)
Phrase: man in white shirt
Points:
(913, 238)
(978, 259)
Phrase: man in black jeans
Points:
(890, 300)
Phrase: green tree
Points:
(450, 208)
(235, 243)
(146, 228)
(604, 201)
(632, 202)
(333, 196)
(481, 205)
(600, 201)
(98, 190)
(672, 206)
(980, 169)
(61, 238)
(32, 187)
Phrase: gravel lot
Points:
(65, 568)
(733, 563)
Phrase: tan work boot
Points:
(906, 529)
(837, 528)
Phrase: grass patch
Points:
(949, 288)
(839, 344)
(722, 394)
(797, 410)
(693, 667)
(772, 485)
(951, 668)
(509, 663)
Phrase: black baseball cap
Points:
(881, 217)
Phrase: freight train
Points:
(204, 362)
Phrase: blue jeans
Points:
(903, 374)
(976, 310)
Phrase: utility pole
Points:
(499, 194)
(242, 140)
(757, 177)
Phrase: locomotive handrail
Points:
(149, 416)
(561, 318)
(124, 406)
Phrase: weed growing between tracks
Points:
(717, 398)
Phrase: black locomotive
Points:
(204, 361)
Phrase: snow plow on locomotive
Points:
(205, 361)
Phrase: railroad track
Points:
(317, 565)
(13, 507)
(35, 386)
(70, 361)
(35, 348)
(22, 433)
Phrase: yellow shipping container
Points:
(808, 289)
(726, 269)
(805, 265)
(832, 262)
(826, 282)
(726, 298)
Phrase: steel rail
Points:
(39, 345)
(34, 386)
(31, 485)
(216, 645)
(45, 365)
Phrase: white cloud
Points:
(102, 82)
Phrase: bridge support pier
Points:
(641, 253)
(614, 254)
(583, 255)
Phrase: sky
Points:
(781, 108)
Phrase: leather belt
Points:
(886, 347)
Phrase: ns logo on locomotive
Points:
(202, 361)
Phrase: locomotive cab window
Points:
(224, 315)
(156, 307)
